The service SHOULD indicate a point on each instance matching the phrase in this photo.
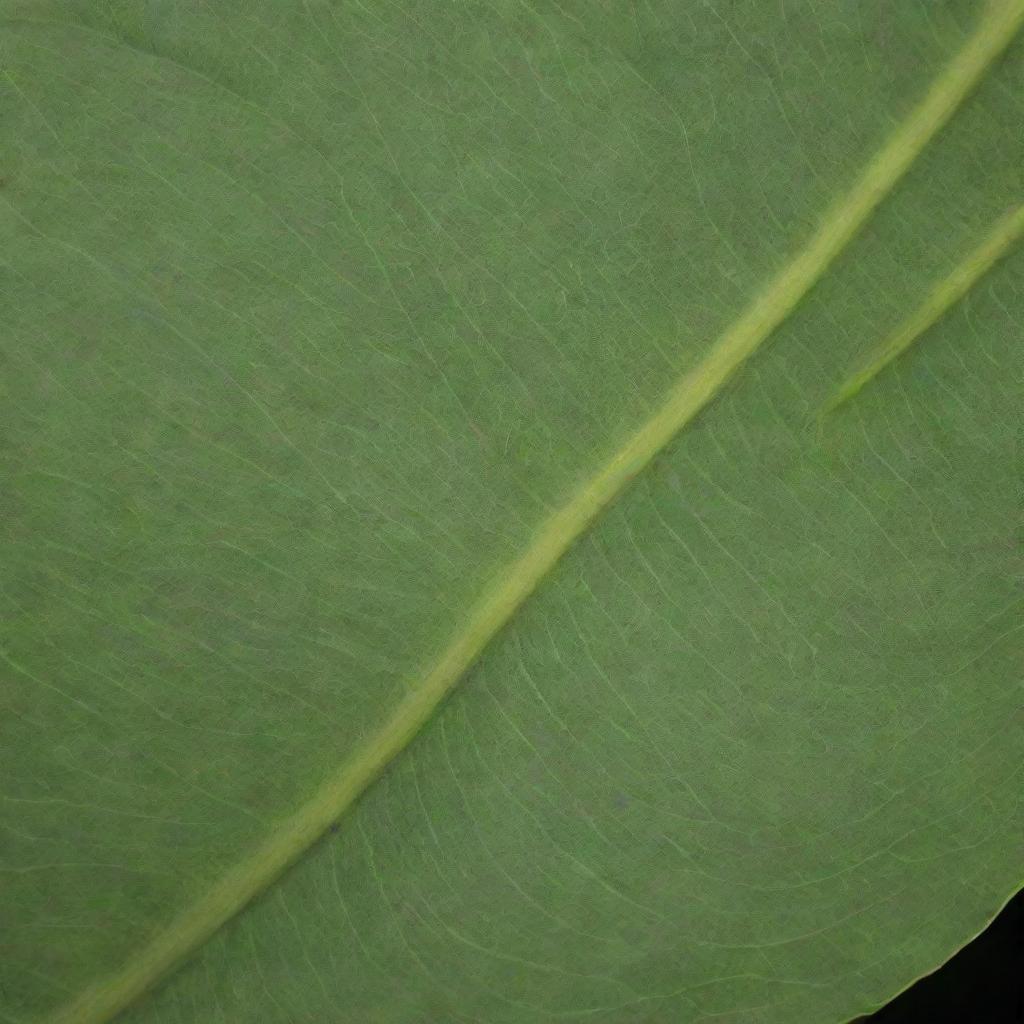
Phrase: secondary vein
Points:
(1006, 232)
(104, 999)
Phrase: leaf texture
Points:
(319, 317)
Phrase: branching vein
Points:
(1006, 232)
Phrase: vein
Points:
(1005, 233)
(251, 876)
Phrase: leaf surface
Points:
(360, 356)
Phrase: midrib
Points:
(841, 221)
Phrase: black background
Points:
(982, 984)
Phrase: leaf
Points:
(431, 590)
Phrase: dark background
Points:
(982, 984)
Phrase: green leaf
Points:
(510, 511)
